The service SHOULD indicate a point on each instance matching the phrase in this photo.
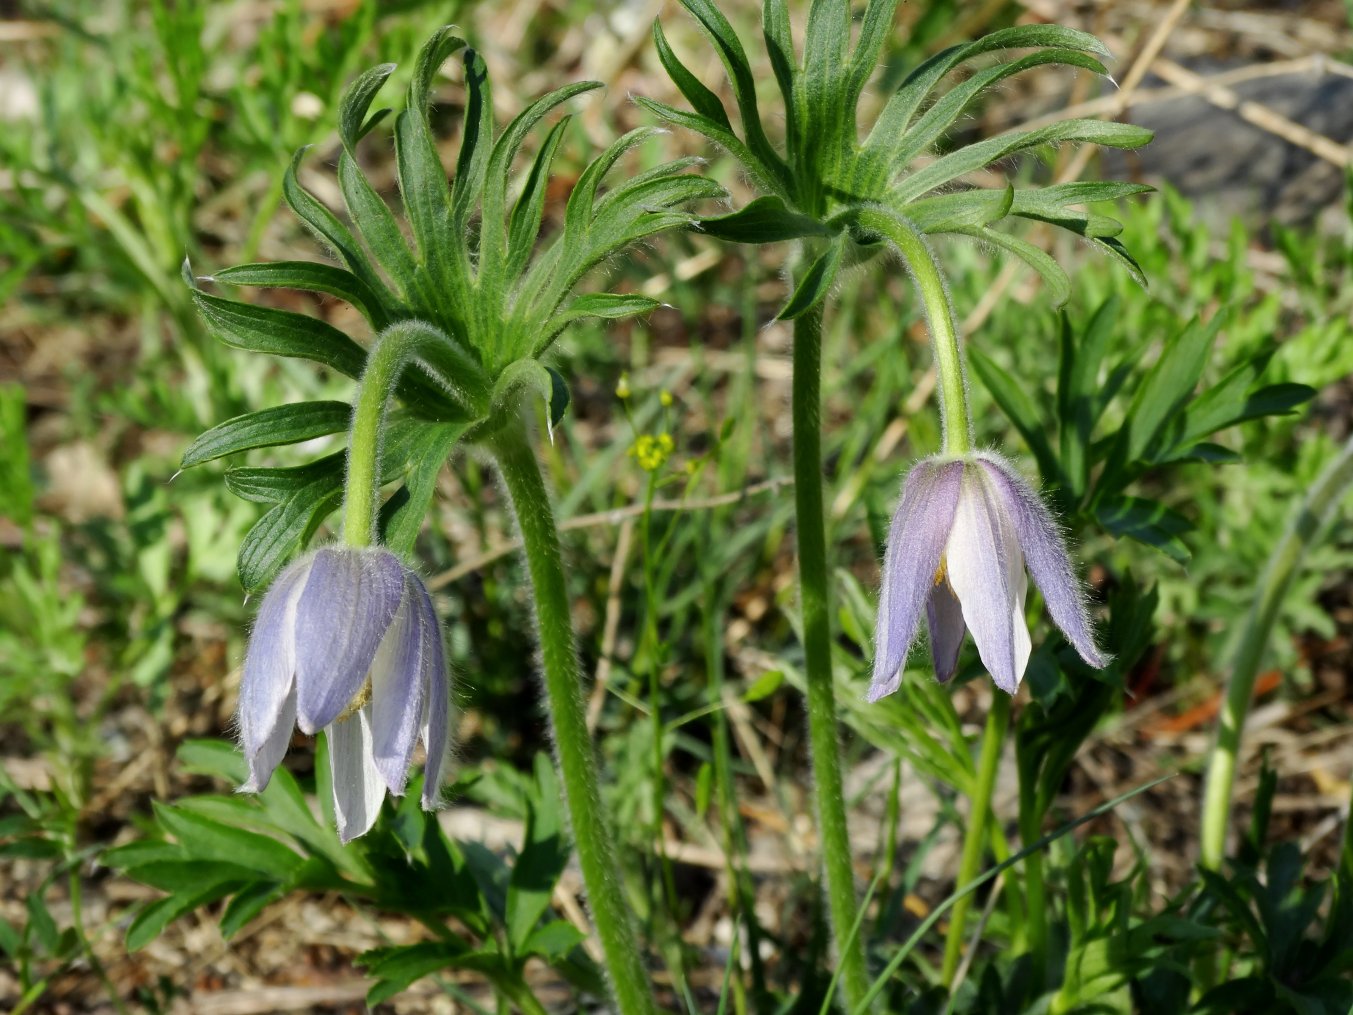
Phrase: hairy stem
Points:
(395, 348)
(944, 338)
(814, 576)
(592, 836)
(975, 836)
(1302, 528)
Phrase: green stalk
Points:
(944, 339)
(993, 739)
(394, 349)
(813, 584)
(516, 461)
(1302, 528)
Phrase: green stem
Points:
(813, 583)
(394, 349)
(564, 693)
(974, 837)
(944, 338)
(1302, 528)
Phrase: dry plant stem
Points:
(814, 574)
(577, 761)
(975, 835)
(1303, 527)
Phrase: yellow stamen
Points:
(362, 698)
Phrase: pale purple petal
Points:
(1046, 556)
(916, 542)
(986, 570)
(264, 759)
(357, 786)
(267, 708)
(397, 691)
(945, 616)
(436, 698)
(348, 603)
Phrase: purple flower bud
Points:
(963, 534)
(347, 641)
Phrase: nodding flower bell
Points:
(963, 533)
(347, 641)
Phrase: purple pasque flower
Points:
(347, 641)
(963, 534)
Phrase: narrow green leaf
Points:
(1078, 403)
(976, 156)
(283, 424)
(395, 968)
(582, 198)
(726, 43)
(702, 100)
(529, 376)
(1057, 280)
(553, 940)
(1165, 389)
(816, 282)
(609, 306)
(493, 228)
(764, 176)
(215, 758)
(273, 486)
(936, 120)
(898, 113)
(311, 276)
(1146, 521)
(530, 207)
(247, 903)
(328, 228)
(1117, 252)
(203, 839)
(184, 875)
(779, 38)
(279, 333)
(283, 531)
(476, 142)
(427, 204)
(875, 27)
(1020, 409)
(356, 101)
(380, 230)
(766, 219)
(543, 857)
(965, 209)
(154, 918)
(422, 179)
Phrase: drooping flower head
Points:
(347, 641)
(964, 531)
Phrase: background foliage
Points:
(141, 133)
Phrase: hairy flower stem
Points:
(944, 338)
(395, 348)
(516, 461)
(975, 835)
(813, 585)
(1302, 528)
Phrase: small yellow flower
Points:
(622, 387)
(652, 452)
(665, 397)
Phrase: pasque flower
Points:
(964, 532)
(347, 641)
